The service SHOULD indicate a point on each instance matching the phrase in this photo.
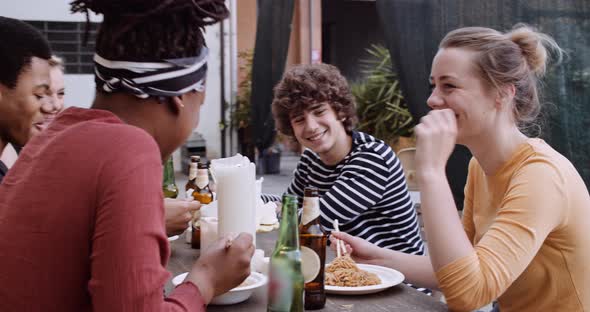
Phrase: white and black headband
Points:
(172, 77)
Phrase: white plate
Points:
(389, 278)
(235, 295)
(173, 238)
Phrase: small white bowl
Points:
(235, 295)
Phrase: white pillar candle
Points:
(236, 195)
(208, 231)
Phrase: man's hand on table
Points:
(178, 213)
(221, 268)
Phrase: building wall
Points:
(306, 33)
(246, 29)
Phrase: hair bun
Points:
(534, 46)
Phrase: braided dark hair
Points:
(150, 30)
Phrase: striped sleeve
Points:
(270, 198)
(300, 175)
(297, 184)
(361, 185)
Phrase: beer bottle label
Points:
(280, 286)
(202, 178)
(192, 172)
(311, 209)
(310, 264)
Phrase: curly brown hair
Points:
(305, 85)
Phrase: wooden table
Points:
(398, 298)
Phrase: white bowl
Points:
(235, 295)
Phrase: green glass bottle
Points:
(285, 287)
(169, 184)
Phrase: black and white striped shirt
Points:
(366, 192)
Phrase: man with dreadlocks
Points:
(81, 214)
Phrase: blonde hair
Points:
(518, 57)
(56, 61)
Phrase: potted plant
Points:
(381, 107)
(270, 159)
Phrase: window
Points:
(67, 41)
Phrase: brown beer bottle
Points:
(189, 188)
(202, 194)
(312, 239)
(192, 174)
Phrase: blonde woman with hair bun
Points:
(58, 89)
(523, 239)
(53, 103)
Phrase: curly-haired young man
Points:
(360, 180)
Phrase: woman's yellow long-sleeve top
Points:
(529, 224)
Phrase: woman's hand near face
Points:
(436, 137)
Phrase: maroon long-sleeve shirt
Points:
(82, 222)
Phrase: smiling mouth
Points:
(41, 125)
(317, 136)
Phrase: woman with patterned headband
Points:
(92, 237)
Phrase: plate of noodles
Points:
(345, 277)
